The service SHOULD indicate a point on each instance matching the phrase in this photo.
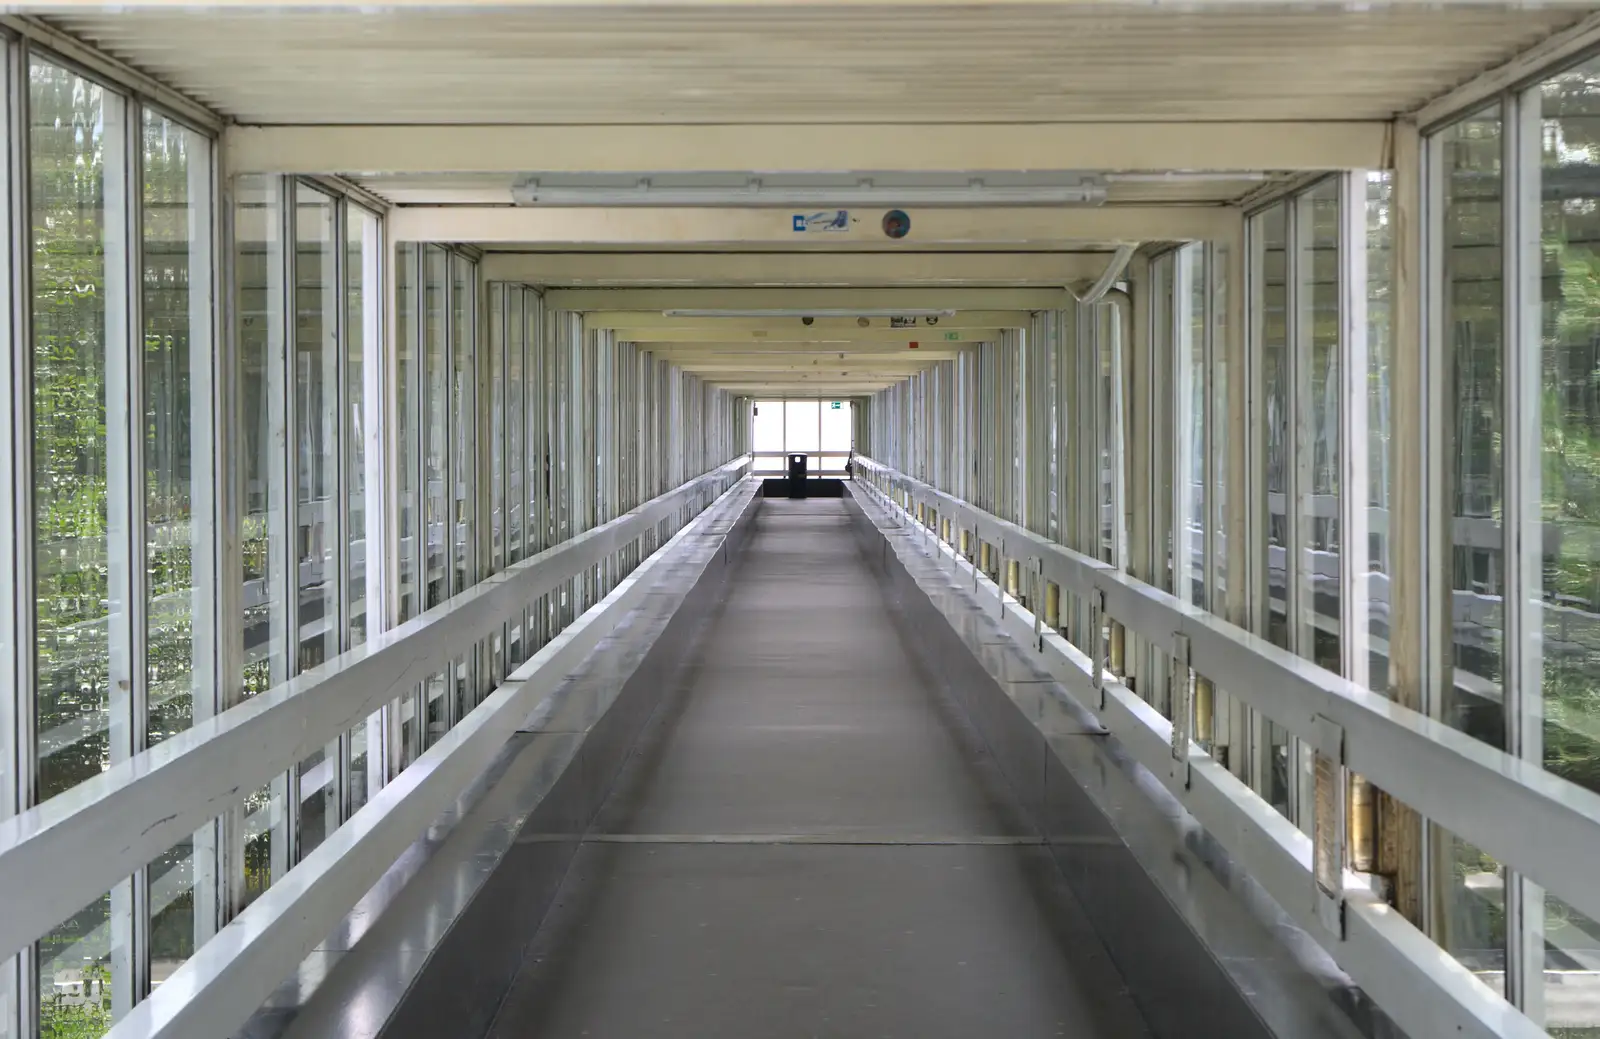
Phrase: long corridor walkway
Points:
(810, 841)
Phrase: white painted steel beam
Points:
(94, 835)
(801, 300)
(699, 358)
(793, 269)
(832, 391)
(1131, 146)
(774, 228)
(865, 338)
(636, 324)
(1551, 52)
(861, 373)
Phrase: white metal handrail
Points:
(217, 988)
(74, 847)
(1526, 818)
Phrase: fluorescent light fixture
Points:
(798, 312)
(813, 191)
(1188, 177)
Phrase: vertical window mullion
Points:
(124, 513)
(379, 424)
(1522, 687)
(1354, 599)
(17, 742)
(1211, 422)
(285, 808)
(343, 586)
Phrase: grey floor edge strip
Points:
(832, 839)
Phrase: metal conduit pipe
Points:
(1108, 277)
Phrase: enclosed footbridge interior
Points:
(767, 519)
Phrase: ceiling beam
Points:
(997, 227)
(892, 338)
(794, 269)
(661, 300)
(802, 362)
(776, 391)
(436, 148)
(1547, 53)
(641, 323)
(783, 375)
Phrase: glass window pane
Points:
(408, 422)
(767, 434)
(1163, 293)
(410, 734)
(536, 445)
(1271, 237)
(1317, 392)
(75, 234)
(317, 411)
(177, 218)
(438, 707)
(516, 326)
(177, 323)
(75, 974)
(319, 798)
(1271, 306)
(257, 260)
(1191, 300)
(1217, 490)
(1473, 327)
(356, 792)
(361, 303)
(1109, 336)
(837, 427)
(497, 425)
(1380, 361)
(263, 812)
(1564, 602)
(436, 405)
(171, 895)
(801, 431)
(464, 418)
(1472, 273)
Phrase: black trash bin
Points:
(797, 476)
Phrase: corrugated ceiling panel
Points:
(791, 63)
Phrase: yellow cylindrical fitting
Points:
(1361, 831)
(1204, 712)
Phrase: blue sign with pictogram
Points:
(831, 220)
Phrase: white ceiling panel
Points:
(818, 63)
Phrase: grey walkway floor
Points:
(808, 842)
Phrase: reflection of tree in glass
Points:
(66, 145)
(86, 1016)
(1570, 425)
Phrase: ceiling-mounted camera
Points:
(896, 224)
(808, 321)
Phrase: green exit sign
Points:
(835, 405)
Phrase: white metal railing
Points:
(1545, 827)
(217, 989)
(73, 848)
